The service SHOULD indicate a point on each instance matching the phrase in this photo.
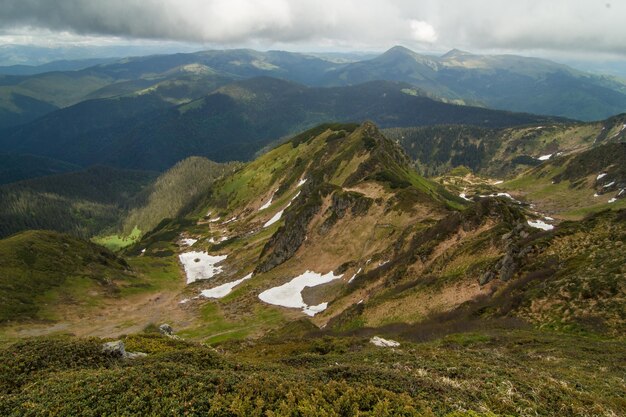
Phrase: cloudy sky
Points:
(577, 28)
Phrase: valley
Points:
(245, 233)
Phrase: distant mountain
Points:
(502, 152)
(62, 65)
(496, 81)
(17, 167)
(231, 123)
(82, 203)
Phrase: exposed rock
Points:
(136, 355)
(380, 342)
(115, 349)
(166, 329)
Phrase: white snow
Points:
(290, 294)
(274, 219)
(609, 184)
(380, 342)
(266, 205)
(217, 219)
(621, 192)
(230, 220)
(464, 197)
(354, 276)
(295, 196)
(302, 182)
(219, 240)
(545, 157)
(313, 310)
(200, 265)
(548, 218)
(383, 263)
(188, 242)
(507, 195)
(223, 290)
(498, 182)
(596, 195)
(143, 250)
(613, 200)
(600, 176)
(539, 224)
(184, 301)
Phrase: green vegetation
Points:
(82, 203)
(117, 242)
(174, 193)
(34, 263)
(493, 373)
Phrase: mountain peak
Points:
(399, 50)
(454, 53)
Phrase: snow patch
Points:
(217, 219)
(464, 197)
(188, 242)
(218, 240)
(290, 294)
(498, 182)
(609, 184)
(380, 342)
(200, 265)
(596, 195)
(274, 219)
(184, 301)
(354, 276)
(269, 203)
(223, 290)
(302, 182)
(230, 220)
(600, 176)
(539, 224)
(613, 200)
(545, 157)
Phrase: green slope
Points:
(42, 271)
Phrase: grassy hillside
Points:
(174, 193)
(575, 185)
(40, 272)
(501, 152)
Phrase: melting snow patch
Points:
(383, 263)
(200, 265)
(545, 157)
(464, 197)
(302, 182)
(548, 218)
(274, 219)
(596, 195)
(230, 220)
(380, 342)
(354, 276)
(266, 205)
(609, 184)
(600, 176)
(313, 310)
(290, 294)
(217, 219)
(143, 250)
(223, 290)
(185, 301)
(538, 224)
(498, 182)
(613, 200)
(188, 242)
(219, 240)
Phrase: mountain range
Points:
(503, 82)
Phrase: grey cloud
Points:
(562, 25)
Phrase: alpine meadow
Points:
(313, 208)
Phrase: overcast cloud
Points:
(581, 26)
